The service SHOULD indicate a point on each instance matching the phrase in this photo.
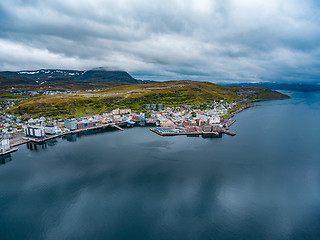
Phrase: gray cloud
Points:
(238, 40)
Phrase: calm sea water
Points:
(264, 183)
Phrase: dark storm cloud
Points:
(239, 40)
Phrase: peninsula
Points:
(59, 103)
(189, 108)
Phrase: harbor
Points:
(23, 140)
(175, 121)
(36, 140)
(174, 132)
(205, 132)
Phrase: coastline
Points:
(227, 122)
(17, 141)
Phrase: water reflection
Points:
(37, 146)
(52, 142)
(71, 137)
(5, 159)
(261, 184)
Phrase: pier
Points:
(228, 132)
(173, 132)
(203, 134)
(24, 140)
(11, 150)
(229, 123)
(35, 140)
(116, 126)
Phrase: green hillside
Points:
(171, 93)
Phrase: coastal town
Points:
(188, 120)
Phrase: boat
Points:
(130, 123)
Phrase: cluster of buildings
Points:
(9, 123)
(154, 106)
(6, 104)
(40, 128)
(4, 143)
(191, 119)
(171, 119)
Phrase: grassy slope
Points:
(172, 93)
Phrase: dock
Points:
(230, 122)
(11, 150)
(173, 133)
(35, 140)
(24, 140)
(228, 132)
(203, 134)
(19, 142)
(116, 126)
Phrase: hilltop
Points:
(171, 93)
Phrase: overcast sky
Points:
(217, 40)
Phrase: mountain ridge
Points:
(43, 76)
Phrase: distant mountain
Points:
(301, 87)
(43, 76)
